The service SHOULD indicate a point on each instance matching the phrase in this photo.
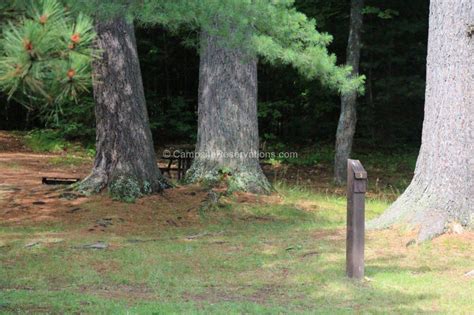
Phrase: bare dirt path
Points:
(22, 195)
(25, 201)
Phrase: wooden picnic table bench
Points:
(183, 163)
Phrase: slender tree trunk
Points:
(442, 190)
(227, 140)
(125, 153)
(348, 117)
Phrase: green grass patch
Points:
(45, 140)
(245, 258)
(53, 141)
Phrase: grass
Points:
(12, 165)
(389, 172)
(253, 258)
(69, 160)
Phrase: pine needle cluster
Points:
(46, 55)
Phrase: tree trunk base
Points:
(121, 186)
(243, 178)
(426, 209)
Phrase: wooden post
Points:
(356, 188)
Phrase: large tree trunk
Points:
(227, 140)
(348, 117)
(125, 161)
(442, 189)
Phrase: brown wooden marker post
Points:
(356, 188)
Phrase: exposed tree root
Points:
(93, 184)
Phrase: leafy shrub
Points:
(46, 140)
(76, 121)
(53, 140)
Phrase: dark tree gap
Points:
(125, 153)
(227, 138)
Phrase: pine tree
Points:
(45, 56)
(46, 62)
(227, 141)
(273, 30)
(125, 161)
(441, 192)
(233, 34)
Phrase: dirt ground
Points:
(25, 200)
(22, 194)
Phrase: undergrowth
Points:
(53, 141)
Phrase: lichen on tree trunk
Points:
(125, 161)
(348, 117)
(227, 141)
(442, 189)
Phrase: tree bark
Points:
(348, 117)
(442, 189)
(227, 140)
(125, 153)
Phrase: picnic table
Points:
(179, 160)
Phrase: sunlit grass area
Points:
(282, 255)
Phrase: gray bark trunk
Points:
(348, 117)
(125, 153)
(442, 189)
(227, 139)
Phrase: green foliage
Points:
(287, 36)
(171, 118)
(292, 109)
(272, 110)
(383, 14)
(74, 120)
(311, 156)
(45, 57)
(53, 141)
(270, 115)
(45, 140)
(275, 30)
(390, 113)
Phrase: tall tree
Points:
(274, 30)
(227, 139)
(227, 124)
(442, 189)
(125, 161)
(348, 116)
